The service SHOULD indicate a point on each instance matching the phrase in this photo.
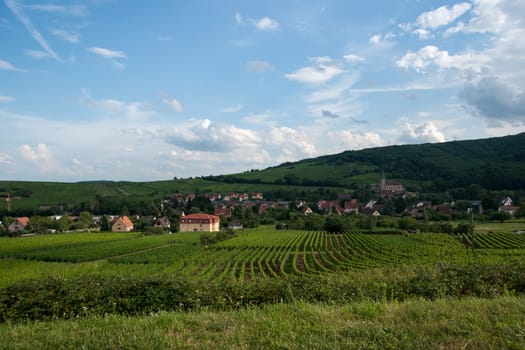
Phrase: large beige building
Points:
(199, 223)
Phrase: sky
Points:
(152, 90)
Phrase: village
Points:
(233, 211)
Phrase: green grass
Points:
(470, 323)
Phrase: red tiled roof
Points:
(24, 220)
(200, 216)
(126, 221)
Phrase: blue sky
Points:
(136, 90)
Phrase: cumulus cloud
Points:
(289, 143)
(259, 66)
(40, 152)
(348, 140)
(174, 104)
(267, 24)
(426, 132)
(432, 56)
(377, 39)
(495, 100)
(427, 22)
(5, 158)
(263, 23)
(442, 16)
(322, 70)
(205, 135)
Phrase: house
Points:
(257, 195)
(163, 223)
(307, 211)
(235, 225)
(122, 224)
(19, 224)
(507, 206)
(507, 202)
(352, 206)
(199, 222)
(223, 212)
(325, 205)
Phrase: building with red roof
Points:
(199, 222)
(122, 224)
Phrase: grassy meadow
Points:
(264, 288)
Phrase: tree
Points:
(464, 228)
(334, 224)
(407, 223)
(104, 224)
(500, 216)
(85, 220)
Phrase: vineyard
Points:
(250, 255)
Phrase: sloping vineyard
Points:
(274, 254)
(262, 253)
(496, 240)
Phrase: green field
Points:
(372, 280)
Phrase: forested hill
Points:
(494, 163)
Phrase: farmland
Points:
(60, 277)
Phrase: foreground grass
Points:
(470, 323)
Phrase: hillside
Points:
(494, 164)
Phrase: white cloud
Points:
(442, 16)
(69, 36)
(432, 56)
(5, 159)
(266, 24)
(5, 65)
(37, 54)
(133, 110)
(208, 136)
(40, 152)
(353, 58)
(263, 23)
(290, 143)
(426, 132)
(107, 53)
(18, 10)
(112, 55)
(322, 70)
(259, 66)
(490, 16)
(6, 98)
(429, 21)
(232, 109)
(377, 39)
(73, 10)
(348, 140)
(174, 104)
(238, 18)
